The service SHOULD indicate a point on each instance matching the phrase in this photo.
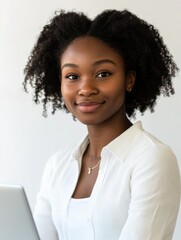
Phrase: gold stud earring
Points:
(129, 89)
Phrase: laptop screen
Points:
(16, 220)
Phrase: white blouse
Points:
(136, 195)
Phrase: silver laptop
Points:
(16, 221)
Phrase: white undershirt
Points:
(78, 222)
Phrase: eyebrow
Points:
(70, 65)
(104, 61)
(99, 62)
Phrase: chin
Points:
(88, 121)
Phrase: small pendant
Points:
(89, 170)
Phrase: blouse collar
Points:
(119, 147)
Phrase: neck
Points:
(101, 135)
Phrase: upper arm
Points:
(155, 196)
(42, 212)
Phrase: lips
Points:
(88, 106)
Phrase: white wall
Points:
(26, 138)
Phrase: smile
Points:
(88, 107)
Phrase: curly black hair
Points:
(138, 43)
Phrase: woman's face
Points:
(93, 82)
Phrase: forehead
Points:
(89, 48)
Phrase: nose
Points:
(87, 89)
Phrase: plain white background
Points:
(27, 139)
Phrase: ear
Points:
(130, 80)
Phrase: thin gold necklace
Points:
(92, 168)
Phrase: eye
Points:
(72, 76)
(103, 74)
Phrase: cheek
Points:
(116, 92)
(118, 100)
(64, 90)
(66, 98)
(68, 94)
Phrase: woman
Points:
(120, 182)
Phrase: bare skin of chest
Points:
(86, 181)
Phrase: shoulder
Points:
(148, 153)
(61, 157)
(158, 158)
(64, 156)
(154, 160)
(145, 143)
